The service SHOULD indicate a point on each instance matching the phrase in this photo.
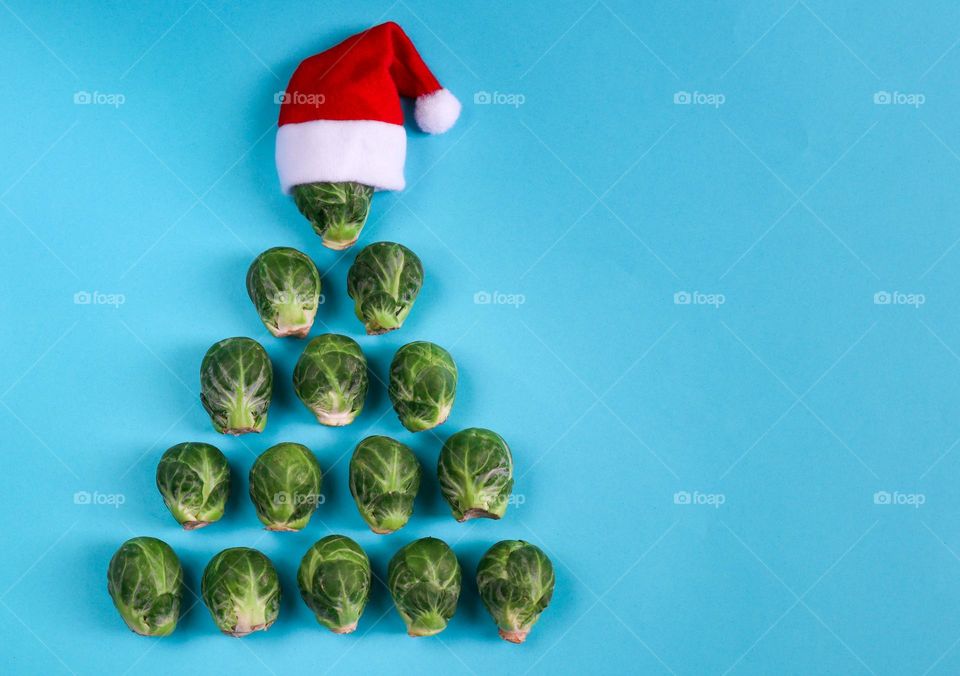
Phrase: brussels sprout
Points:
(515, 580)
(424, 580)
(476, 474)
(284, 285)
(145, 582)
(194, 480)
(242, 591)
(384, 480)
(384, 281)
(331, 379)
(236, 383)
(337, 211)
(423, 384)
(285, 486)
(334, 580)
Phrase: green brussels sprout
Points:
(476, 474)
(284, 285)
(337, 211)
(331, 379)
(194, 480)
(423, 384)
(334, 581)
(145, 581)
(241, 590)
(285, 486)
(424, 580)
(384, 281)
(384, 480)
(236, 383)
(515, 580)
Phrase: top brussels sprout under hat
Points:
(341, 132)
(516, 581)
(423, 385)
(236, 384)
(336, 211)
(383, 282)
(145, 581)
(194, 480)
(284, 285)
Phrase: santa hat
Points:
(341, 119)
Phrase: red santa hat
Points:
(341, 119)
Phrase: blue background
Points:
(780, 412)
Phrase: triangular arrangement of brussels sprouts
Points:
(240, 586)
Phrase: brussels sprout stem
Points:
(345, 629)
(427, 624)
(335, 419)
(194, 525)
(240, 419)
(477, 513)
(292, 320)
(383, 322)
(514, 635)
(390, 524)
